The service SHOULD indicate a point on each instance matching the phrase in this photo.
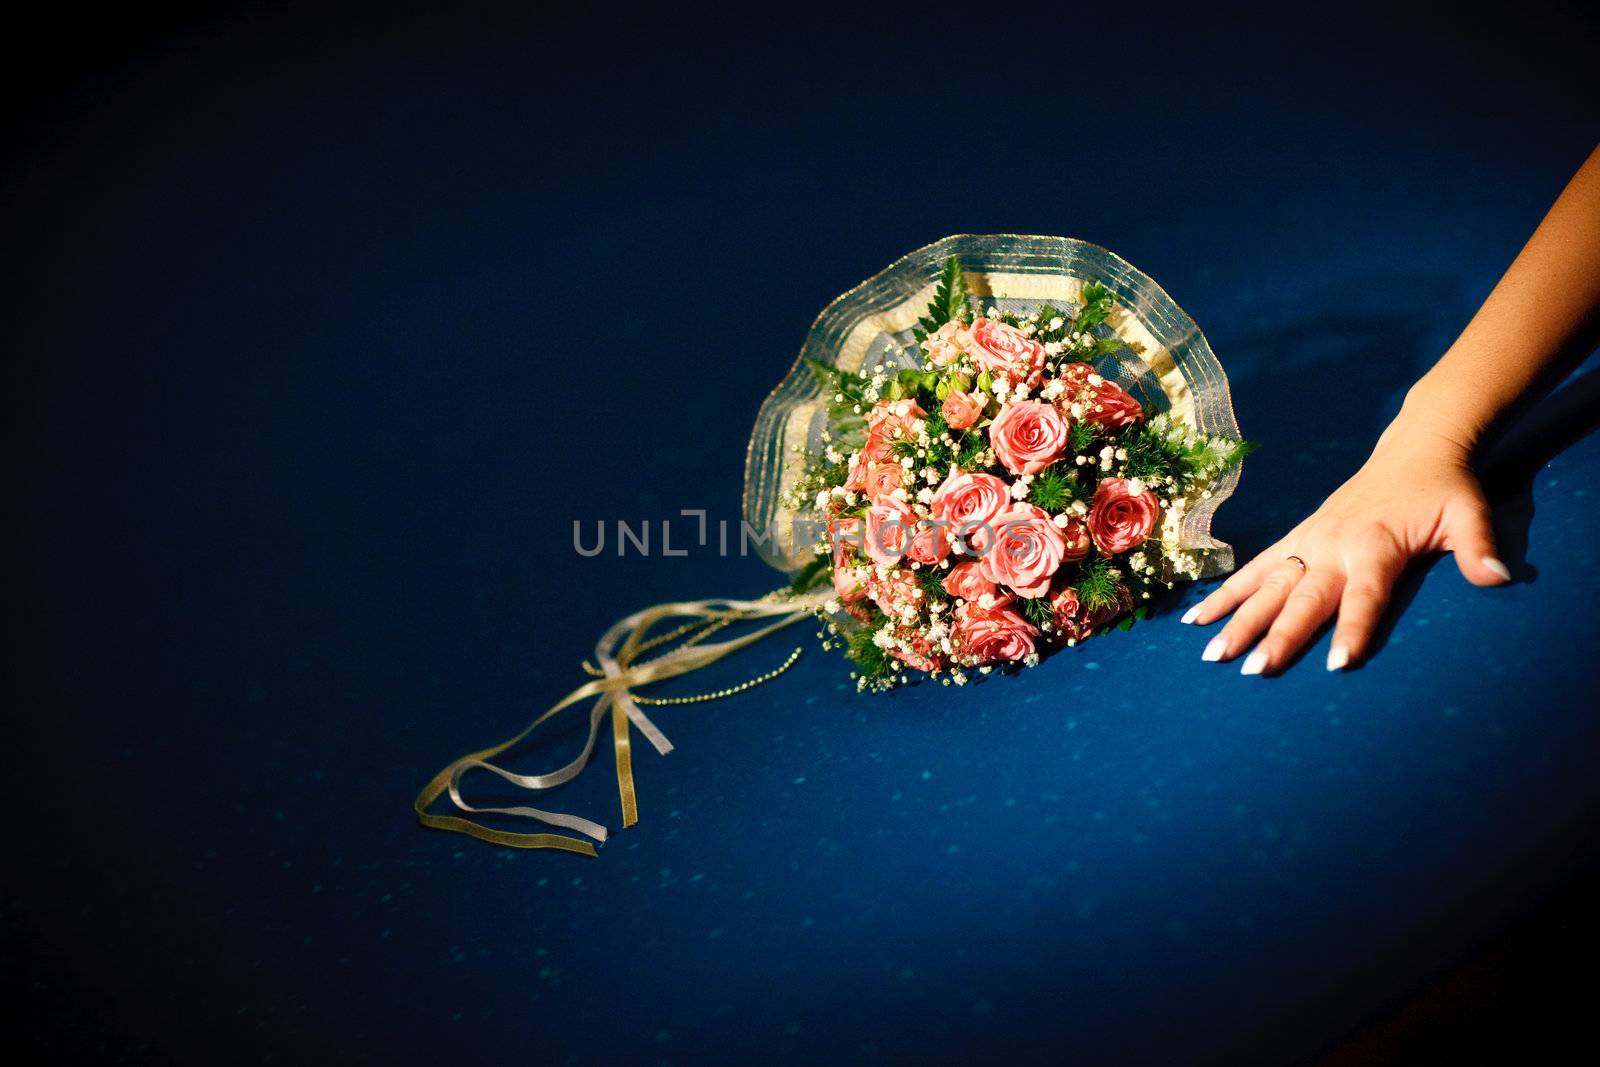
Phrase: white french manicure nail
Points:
(1500, 570)
(1215, 649)
(1254, 663)
(1338, 658)
(1191, 615)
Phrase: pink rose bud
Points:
(948, 343)
(961, 410)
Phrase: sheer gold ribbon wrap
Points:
(619, 672)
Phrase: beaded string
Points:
(730, 690)
(706, 630)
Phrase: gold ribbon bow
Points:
(619, 672)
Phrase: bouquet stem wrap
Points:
(621, 671)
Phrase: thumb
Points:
(1470, 536)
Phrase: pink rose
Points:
(961, 409)
(1064, 603)
(893, 591)
(1102, 401)
(846, 537)
(887, 421)
(850, 583)
(917, 661)
(1122, 515)
(1005, 350)
(1076, 536)
(1027, 551)
(875, 451)
(930, 544)
(890, 419)
(993, 635)
(1028, 436)
(949, 341)
(968, 503)
(880, 481)
(967, 581)
(889, 530)
(1088, 621)
(923, 655)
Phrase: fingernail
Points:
(1500, 570)
(1215, 649)
(1254, 663)
(1191, 615)
(1338, 658)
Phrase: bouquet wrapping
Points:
(996, 446)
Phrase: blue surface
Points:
(325, 329)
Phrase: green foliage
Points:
(1043, 332)
(935, 426)
(1241, 449)
(1152, 457)
(843, 419)
(813, 574)
(832, 379)
(1105, 346)
(870, 660)
(1054, 488)
(969, 455)
(932, 581)
(1096, 584)
(954, 383)
(1098, 302)
(1037, 610)
(1082, 436)
(950, 301)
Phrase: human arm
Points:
(1418, 493)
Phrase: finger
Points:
(1256, 613)
(1471, 537)
(1236, 590)
(1366, 594)
(1311, 603)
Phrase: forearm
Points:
(1536, 315)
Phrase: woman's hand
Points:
(1416, 494)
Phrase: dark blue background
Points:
(323, 328)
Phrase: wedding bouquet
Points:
(994, 447)
(987, 493)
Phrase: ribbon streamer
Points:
(616, 653)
